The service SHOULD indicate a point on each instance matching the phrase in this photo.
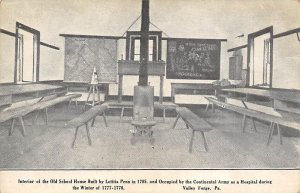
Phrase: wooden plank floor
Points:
(50, 146)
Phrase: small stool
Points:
(142, 130)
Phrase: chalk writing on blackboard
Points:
(193, 59)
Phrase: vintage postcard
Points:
(150, 96)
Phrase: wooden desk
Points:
(130, 67)
(129, 105)
(14, 93)
(194, 88)
(287, 100)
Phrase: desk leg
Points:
(247, 97)
(207, 106)
(122, 114)
(164, 114)
(161, 89)
(120, 88)
(175, 121)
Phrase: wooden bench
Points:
(194, 122)
(49, 103)
(18, 110)
(164, 106)
(16, 113)
(261, 112)
(85, 117)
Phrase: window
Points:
(27, 57)
(260, 53)
(266, 62)
(133, 46)
(136, 50)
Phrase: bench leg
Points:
(271, 133)
(36, 116)
(12, 127)
(88, 133)
(244, 123)
(46, 115)
(23, 126)
(213, 107)
(205, 143)
(279, 133)
(76, 131)
(253, 124)
(191, 141)
(104, 118)
(93, 122)
(175, 121)
(76, 104)
(69, 105)
(164, 114)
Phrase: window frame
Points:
(155, 36)
(36, 50)
(250, 47)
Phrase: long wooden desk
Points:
(288, 121)
(287, 100)
(10, 93)
(129, 105)
(191, 88)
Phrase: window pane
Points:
(151, 57)
(28, 56)
(150, 47)
(136, 46)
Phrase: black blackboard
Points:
(193, 59)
